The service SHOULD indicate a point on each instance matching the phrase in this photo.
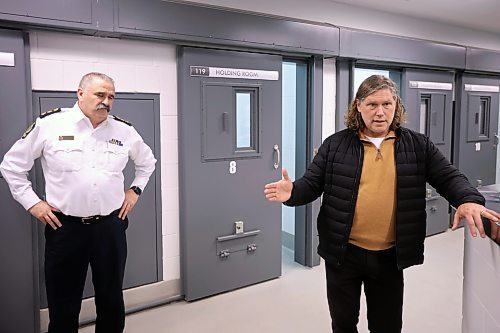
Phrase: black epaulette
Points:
(48, 113)
(28, 130)
(43, 115)
(120, 119)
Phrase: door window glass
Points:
(243, 120)
(483, 116)
(360, 74)
(425, 103)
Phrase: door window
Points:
(425, 104)
(360, 74)
(246, 114)
(230, 121)
(483, 116)
(243, 120)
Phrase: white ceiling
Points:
(476, 14)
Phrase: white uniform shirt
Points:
(83, 166)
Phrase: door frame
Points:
(306, 236)
(460, 109)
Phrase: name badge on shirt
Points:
(66, 137)
(116, 142)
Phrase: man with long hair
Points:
(372, 221)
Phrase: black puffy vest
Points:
(336, 170)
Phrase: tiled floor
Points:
(296, 302)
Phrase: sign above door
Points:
(233, 73)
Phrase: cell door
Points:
(144, 231)
(477, 128)
(428, 98)
(17, 290)
(229, 148)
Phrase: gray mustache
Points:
(103, 106)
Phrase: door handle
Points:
(225, 121)
(277, 154)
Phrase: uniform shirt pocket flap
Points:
(67, 146)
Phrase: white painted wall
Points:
(350, 16)
(59, 60)
(329, 97)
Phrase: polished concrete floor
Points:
(296, 302)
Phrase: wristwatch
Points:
(137, 190)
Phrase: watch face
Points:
(136, 189)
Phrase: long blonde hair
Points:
(374, 83)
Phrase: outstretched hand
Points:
(281, 190)
(473, 213)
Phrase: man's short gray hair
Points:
(89, 77)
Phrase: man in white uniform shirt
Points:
(83, 151)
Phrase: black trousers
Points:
(383, 286)
(68, 252)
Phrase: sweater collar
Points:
(364, 138)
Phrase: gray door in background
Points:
(428, 98)
(144, 258)
(477, 128)
(230, 136)
(17, 293)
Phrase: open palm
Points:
(281, 190)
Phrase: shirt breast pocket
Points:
(68, 156)
(116, 158)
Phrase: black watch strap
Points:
(137, 190)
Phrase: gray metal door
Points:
(17, 302)
(230, 136)
(477, 128)
(144, 233)
(428, 97)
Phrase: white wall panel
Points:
(47, 74)
(329, 96)
(170, 228)
(171, 268)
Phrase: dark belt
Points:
(85, 220)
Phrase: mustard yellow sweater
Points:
(375, 214)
